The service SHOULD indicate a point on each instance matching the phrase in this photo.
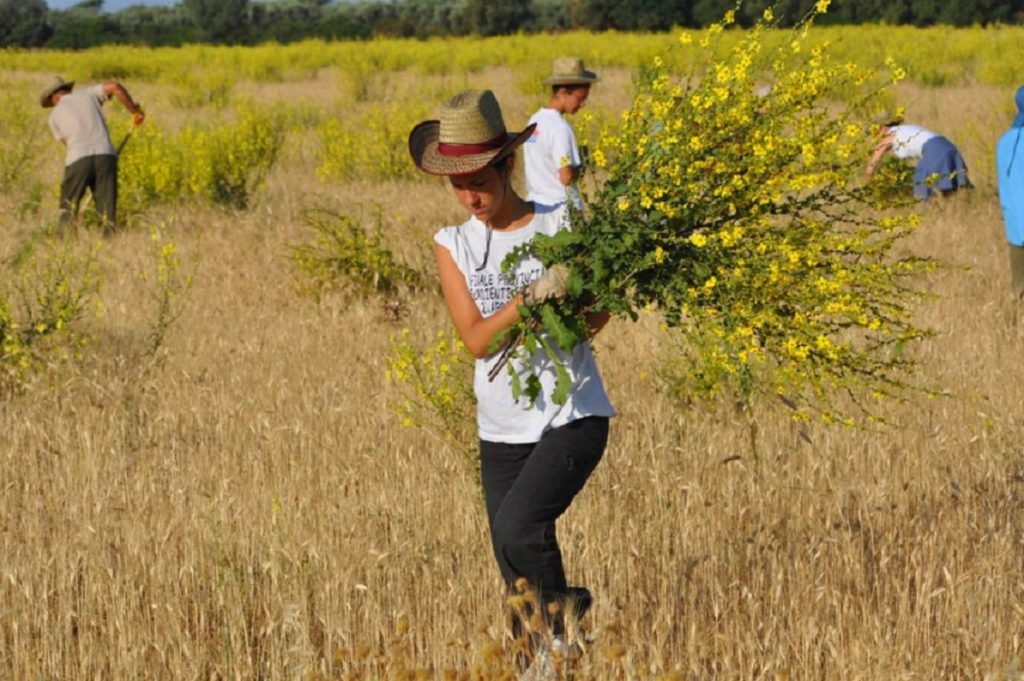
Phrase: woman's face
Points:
(482, 192)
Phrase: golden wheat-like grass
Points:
(247, 508)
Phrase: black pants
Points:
(98, 174)
(527, 487)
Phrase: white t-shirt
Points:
(908, 140)
(551, 142)
(78, 118)
(499, 417)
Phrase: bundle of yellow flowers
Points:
(731, 204)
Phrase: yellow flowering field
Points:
(236, 435)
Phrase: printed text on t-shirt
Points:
(491, 290)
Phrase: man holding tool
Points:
(91, 161)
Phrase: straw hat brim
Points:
(44, 99)
(586, 78)
(423, 142)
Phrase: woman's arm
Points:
(876, 158)
(477, 331)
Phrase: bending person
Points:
(940, 168)
(91, 159)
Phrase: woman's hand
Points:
(549, 286)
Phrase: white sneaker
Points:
(565, 650)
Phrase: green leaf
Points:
(558, 329)
(533, 388)
(559, 240)
(575, 284)
(517, 384)
(562, 385)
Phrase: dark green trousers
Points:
(98, 174)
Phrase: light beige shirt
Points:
(78, 119)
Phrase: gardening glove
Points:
(549, 286)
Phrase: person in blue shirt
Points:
(1010, 177)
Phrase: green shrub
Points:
(345, 255)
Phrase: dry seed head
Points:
(490, 651)
(554, 608)
(536, 621)
(616, 652)
(522, 585)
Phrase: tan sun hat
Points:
(469, 136)
(570, 71)
(57, 85)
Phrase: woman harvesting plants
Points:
(535, 456)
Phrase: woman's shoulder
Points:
(447, 236)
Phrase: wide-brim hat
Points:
(57, 85)
(570, 71)
(469, 135)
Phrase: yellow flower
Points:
(698, 239)
(659, 255)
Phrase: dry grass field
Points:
(245, 506)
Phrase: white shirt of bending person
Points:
(908, 140)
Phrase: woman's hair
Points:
(502, 165)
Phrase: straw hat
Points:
(57, 85)
(469, 136)
(570, 71)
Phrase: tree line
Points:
(32, 23)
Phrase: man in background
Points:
(91, 160)
(552, 155)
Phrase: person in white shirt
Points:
(91, 160)
(552, 155)
(940, 167)
(534, 458)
